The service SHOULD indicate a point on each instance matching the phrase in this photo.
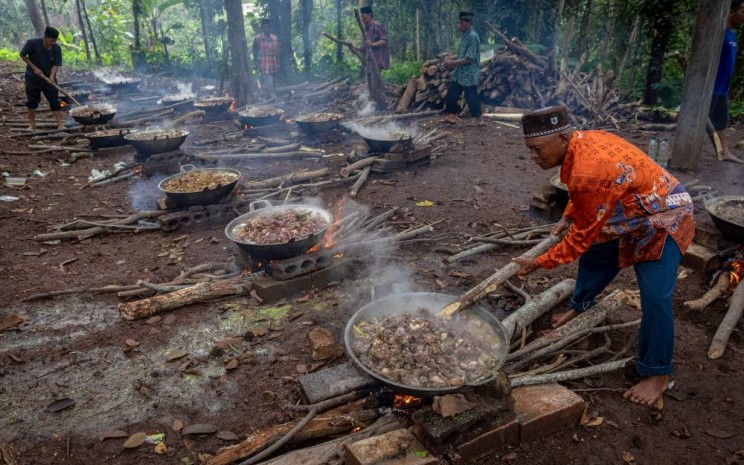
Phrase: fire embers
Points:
(424, 351)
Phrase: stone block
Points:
(707, 234)
(490, 442)
(545, 409)
(399, 447)
(701, 258)
(323, 345)
(334, 381)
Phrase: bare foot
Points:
(648, 392)
(30, 128)
(561, 319)
(728, 156)
(451, 119)
(477, 122)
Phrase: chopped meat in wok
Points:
(279, 228)
(424, 351)
(197, 181)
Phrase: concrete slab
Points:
(545, 409)
(399, 447)
(334, 381)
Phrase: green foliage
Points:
(9, 55)
(400, 73)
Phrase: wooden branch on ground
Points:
(570, 374)
(359, 182)
(358, 165)
(516, 235)
(198, 293)
(294, 176)
(90, 232)
(582, 322)
(300, 154)
(340, 419)
(719, 289)
(184, 119)
(532, 310)
(729, 322)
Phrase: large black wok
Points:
(484, 322)
(292, 248)
(93, 114)
(205, 196)
(260, 116)
(316, 123)
(384, 142)
(158, 141)
(108, 138)
(720, 210)
(214, 106)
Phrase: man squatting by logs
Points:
(43, 57)
(466, 74)
(623, 210)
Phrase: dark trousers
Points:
(35, 86)
(471, 96)
(656, 281)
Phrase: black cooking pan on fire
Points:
(385, 141)
(727, 213)
(185, 196)
(275, 251)
(475, 321)
(93, 114)
(316, 123)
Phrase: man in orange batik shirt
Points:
(623, 210)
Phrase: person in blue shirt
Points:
(719, 109)
(43, 57)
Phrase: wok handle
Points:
(258, 204)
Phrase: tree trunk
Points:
(82, 28)
(307, 16)
(339, 33)
(430, 32)
(280, 13)
(46, 15)
(33, 13)
(582, 44)
(699, 79)
(205, 32)
(90, 29)
(241, 66)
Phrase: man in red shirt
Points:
(266, 57)
(623, 210)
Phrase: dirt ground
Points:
(75, 346)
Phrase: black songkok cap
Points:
(265, 21)
(545, 121)
(367, 10)
(51, 32)
(466, 16)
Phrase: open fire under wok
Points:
(425, 355)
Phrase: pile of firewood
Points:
(517, 77)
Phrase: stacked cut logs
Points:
(506, 79)
(517, 77)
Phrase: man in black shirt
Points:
(43, 57)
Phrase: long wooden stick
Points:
(492, 282)
(736, 307)
(529, 312)
(56, 86)
(570, 374)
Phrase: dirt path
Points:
(143, 375)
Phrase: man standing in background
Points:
(377, 41)
(466, 76)
(266, 57)
(719, 108)
(43, 57)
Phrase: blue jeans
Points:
(656, 279)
